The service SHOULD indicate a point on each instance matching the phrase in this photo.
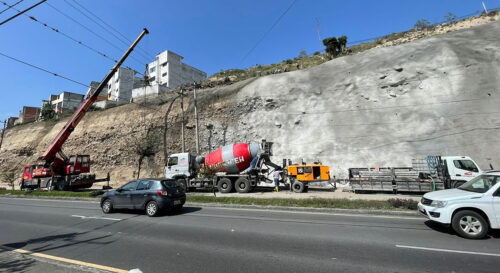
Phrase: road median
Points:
(395, 206)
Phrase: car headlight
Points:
(439, 204)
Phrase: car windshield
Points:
(169, 183)
(480, 184)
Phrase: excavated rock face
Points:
(437, 95)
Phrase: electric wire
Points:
(268, 31)
(43, 69)
(34, 19)
(9, 7)
(93, 32)
(127, 40)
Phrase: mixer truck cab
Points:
(178, 165)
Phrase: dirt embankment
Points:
(437, 95)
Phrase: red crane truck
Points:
(56, 171)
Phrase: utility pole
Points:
(196, 124)
(21, 12)
(484, 7)
(182, 125)
(3, 131)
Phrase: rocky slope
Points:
(437, 95)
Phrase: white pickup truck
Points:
(471, 209)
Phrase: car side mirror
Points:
(119, 190)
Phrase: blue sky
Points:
(211, 35)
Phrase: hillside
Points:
(437, 95)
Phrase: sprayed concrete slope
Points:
(438, 95)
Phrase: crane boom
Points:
(50, 155)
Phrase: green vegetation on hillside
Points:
(333, 49)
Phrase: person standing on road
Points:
(276, 176)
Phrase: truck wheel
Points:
(60, 187)
(152, 209)
(107, 206)
(225, 185)
(182, 183)
(242, 185)
(469, 224)
(298, 186)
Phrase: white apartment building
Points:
(118, 89)
(168, 72)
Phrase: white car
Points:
(471, 209)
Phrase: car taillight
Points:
(162, 193)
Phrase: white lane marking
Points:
(94, 217)
(449, 250)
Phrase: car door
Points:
(171, 170)
(142, 193)
(123, 196)
(496, 201)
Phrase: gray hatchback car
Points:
(151, 195)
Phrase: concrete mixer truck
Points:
(239, 167)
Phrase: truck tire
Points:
(60, 186)
(182, 183)
(298, 186)
(242, 185)
(225, 185)
(469, 224)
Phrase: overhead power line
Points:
(22, 12)
(93, 32)
(34, 19)
(43, 69)
(9, 7)
(268, 31)
(127, 40)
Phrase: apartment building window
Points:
(164, 74)
(152, 69)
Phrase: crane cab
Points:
(78, 164)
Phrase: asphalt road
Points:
(207, 239)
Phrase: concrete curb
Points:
(275, 208)
(307, 209)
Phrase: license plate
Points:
(177, 202)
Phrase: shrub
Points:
(450, 17)
(422, 23)
(403, 203)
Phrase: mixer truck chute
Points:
(239, 166)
